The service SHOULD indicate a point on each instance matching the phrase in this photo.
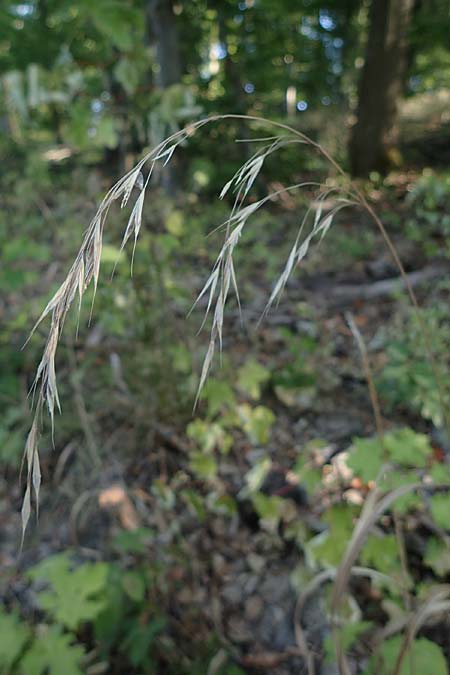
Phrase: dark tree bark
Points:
(163, 31)
(375, 135)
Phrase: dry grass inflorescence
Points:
(221, 282)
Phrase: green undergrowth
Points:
(136, 365)
(92, 612)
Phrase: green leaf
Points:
(112, 254)
(139, 638)
(251, 377)
(13, 636)
(256, 476)
(437, 556)
(53, 653)
(440, 509)
(135, 541)
(269, 508)
(256, 422)
(203, 465)
(11, 446)
(133, 584)
(116, 21)
(408, 448)
(195, 502)
(423, 656)
(348, 634)
(209, 436)
(175, 223)
(440, 473)
(403, 447)
(218, 394)
(328, 547)
(382, 554)
(127, 73)
(75, 596)
(79, 120)
(108, 625)
(106, 134)
(308, 475)
(392, 480)
(366, 458)
(223, 504)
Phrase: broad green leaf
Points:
(256, 422)
(423, 656)
(128, 74)
(440, 473)
(139, 639)
(209, 436)
(403, 447)
(347, 635)
(74, 595)
(329, 546)
(218, 394)
(251, 377)
(440, 509)
(366, 458)
(106, 134)
(133, 541)
(407, 448)
(203, 465)
(269, 508)
(391, 480)
(117, 21)
(309, 476)
(133, 584)
(350, 632)
(437, 556)
(53, 654)
(13, 636)
(382, 554)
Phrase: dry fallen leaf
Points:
(115, 498)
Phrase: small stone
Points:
(219, 564)
(256, 562)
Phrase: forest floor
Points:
(189, 496)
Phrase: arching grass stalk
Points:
(86, 266)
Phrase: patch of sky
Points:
(326, 20)
(218, 51)
(23, 10)
(96, 106)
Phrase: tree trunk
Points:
(375, 135)
(163, 30)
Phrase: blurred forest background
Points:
(211, 542)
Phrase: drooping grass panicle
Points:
(84, 270)
(86, 266)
